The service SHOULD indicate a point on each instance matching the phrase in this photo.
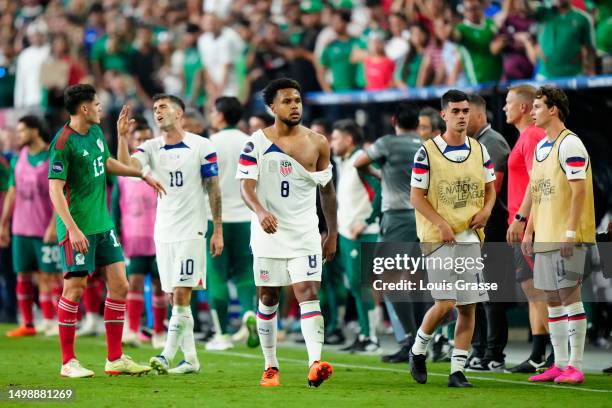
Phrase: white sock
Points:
(577, 327)
(176, 328)
(215, 319)
(421, 341)
(557, 326)
(266, 327)
(374, 320)
(188, 341)
(458, 360)
(311, 321)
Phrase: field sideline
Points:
(231, 378)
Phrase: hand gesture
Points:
(267, 221)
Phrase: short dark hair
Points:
(344, 14)
(352, 128)
(454, 95)
(324, 123)
(231, 109)
(479, 101)
(174, 99)
(264, 117)
(34, 122)
(555, 97)
(269, 92)
(406, 115)
(141, 124)
(75, 95)
(434, 118)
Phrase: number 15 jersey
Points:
(288, 191)
(181, 168)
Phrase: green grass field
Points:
(230, 379)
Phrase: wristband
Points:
(570, 234)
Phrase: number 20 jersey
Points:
(181, 168)
(288, 191)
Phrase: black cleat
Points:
(418, 367)
(458, 380)
(527, 367)
(607, 370)
(402, 356)
(442, 349)
(356, 345)
(334, 338)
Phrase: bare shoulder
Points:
(316, 139)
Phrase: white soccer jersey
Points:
(228, 144)
(181, 213)
(288, 191)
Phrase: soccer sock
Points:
(114, 316)
(160, 312)
(311, 321)
(374, 318)
(46, 305)
(538, 348)
(188, 340)
(557, 325)
(135, 306)
(67, 319)
(25, 294)
(175, 331)
(421, 341)
(577, 326)
(458, 360)
(266, 327)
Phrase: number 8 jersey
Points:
(181, 213)
(288, 191)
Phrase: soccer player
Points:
(79, 162)
(519, 102)
(187, 165)
(453, 195)
(280, 169)
(34, 245)
(134, 204)
(563, 220)
(236, 261)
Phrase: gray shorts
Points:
(456, 283)
(553, 272)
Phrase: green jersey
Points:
(478, 62)
(80, 161)
(337, 57)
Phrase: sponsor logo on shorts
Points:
(310, 273)
(184, 279)
(264, 275)
(79, 259)
(57, 167)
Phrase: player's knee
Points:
(119, 289)
(445, 306)
(269, 299)
(136, 283)
(73, 289)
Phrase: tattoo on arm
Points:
(214, 196)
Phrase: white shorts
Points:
(287, 271)
(182, 264)
(552, 272)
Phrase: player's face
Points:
(166, 114)
(340, 142)
(512, 108)
(425, 130)
(287, 106)
(139, 137)
(216, 119)
(474, 120)
(25, 135)
(456, 116)
(93, 111)
(540, 113)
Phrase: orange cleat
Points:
(22, 331)
(319, 372)
(270, 377)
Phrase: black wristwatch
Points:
(520, 218)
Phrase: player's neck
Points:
(523, 123)
(79, 125)
(453, 138)
(553, 129)
(173, 136)
(283, 129)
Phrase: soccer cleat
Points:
(548, 375)
(570, 375)
(367, 345)
(270, 377)
(43, 326)
(22, 331)
(220, 342)
(402, 356)
(527, 367)
(130, 338)
(458, 380)
(125, 365)
(473, 362)
(159, 364)
(550, 361)
(489, 366)
(74, 369)
(607, 370)
(52, 330)
(319, 371)
(158, 340)
(441, 349)
(418, 367)
(250, 321)
(89, 326)
(185, 367)
(334, 338)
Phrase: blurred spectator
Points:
(336, 58)
(604, 35)
(304, 40)
(144, 63)
(259, 121)
(515, 40)
(194, 122)
(8, 68)
(113, 50)
(410, 73)
(378, 67)
(268, 59)
(169, 74)
(566, 41)
(397, 47)
(475, 34)
(430, 123)
(187, 58)
(28, 89)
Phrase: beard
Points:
(291, 122)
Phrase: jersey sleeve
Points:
(488, 167)
(574, 158)
(420, 170)
(208, 160)
(59, 160)
(248, 167)
(143, 154)
(378, 150)
(11, 180)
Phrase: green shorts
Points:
(30, 254)
(104, 249)
(236, 260)
(141, 265)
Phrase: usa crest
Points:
(285, 167)
(264, 275)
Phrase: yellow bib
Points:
(550, 198)
(456, 191)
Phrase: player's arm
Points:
(7, 215)
(51, 231)
(125, 125)
(78, 240)
(115, 167)
(418, 198)
(329, 204)
(267, 221)
(363, 162)
(214, 197)
(481, 218)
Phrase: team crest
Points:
(100, 145)
(285, 167)
(79, 259)
(264, 275)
